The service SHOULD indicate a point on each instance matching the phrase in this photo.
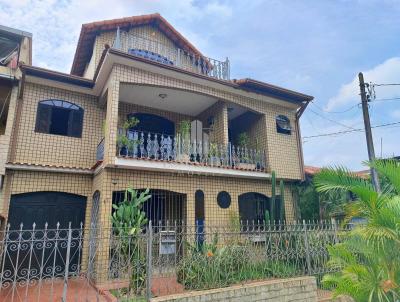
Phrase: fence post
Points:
(307, 247)
(335, 230)
(64, 296)
(149, 269)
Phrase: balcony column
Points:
(111, 124)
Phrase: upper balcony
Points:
(166, 54)
(174, 130)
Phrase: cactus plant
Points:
(282, 201)
(273, 195)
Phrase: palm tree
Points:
(369, 255)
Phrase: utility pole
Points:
(368, 133)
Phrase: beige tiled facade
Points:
(47, 149)
(36, 160)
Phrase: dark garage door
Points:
(39, 208)
(50, 207)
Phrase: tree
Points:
(368, 257)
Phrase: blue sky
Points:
(313, 46)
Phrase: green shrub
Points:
(213, 267)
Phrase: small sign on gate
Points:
(167, 242)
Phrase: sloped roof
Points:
(272, 90)
(90, 30)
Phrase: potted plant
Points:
(123, 142)
(183, 141)
(213, 155)
(244, 159)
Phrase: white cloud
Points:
(55, 25)
(395, 114)
(387, 72)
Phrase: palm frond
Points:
(390, 169)
(341, 179)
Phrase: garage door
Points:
(50, 207)
(44, 252)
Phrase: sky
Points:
(313, 46)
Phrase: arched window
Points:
(59, 117)
(283, 124)
(252, 207)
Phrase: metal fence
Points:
(103, 263)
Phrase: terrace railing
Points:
(165, 54)
(146, 145)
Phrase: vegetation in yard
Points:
(368, 257)
(213, 266)
(314, 205)
(128, 220)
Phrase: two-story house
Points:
(143, 107)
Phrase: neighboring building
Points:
(15, 49)
(63, 160)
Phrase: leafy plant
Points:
(243, 140)
(130, 123)
(213, 150)
(368, 258)
(122, 140)
(184, 129)
(128, 220)
(213, 267)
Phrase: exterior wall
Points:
(57, 150)
(219, 132)
(295, 289)
(34, 181)
(120, 179)
(283, 154)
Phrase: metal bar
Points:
(64, 296)
(307, 248)
(149, 260)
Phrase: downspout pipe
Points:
(299, 113)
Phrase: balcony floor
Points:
(189, 168)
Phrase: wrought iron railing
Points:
(67, 264)
(146, 145)
(157, 51)
(100, 150)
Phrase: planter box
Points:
(246, 166)
(184, 158)
(215, 162)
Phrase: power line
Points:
(390, 84)
(388, 99)
(350, 131)
(335, 112)
(332, 121)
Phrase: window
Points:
(283, 125)
(224, 200)
(59, 117)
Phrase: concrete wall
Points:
(288, 290)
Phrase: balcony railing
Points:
(100, 150)
(159, 52)
(151, 146)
